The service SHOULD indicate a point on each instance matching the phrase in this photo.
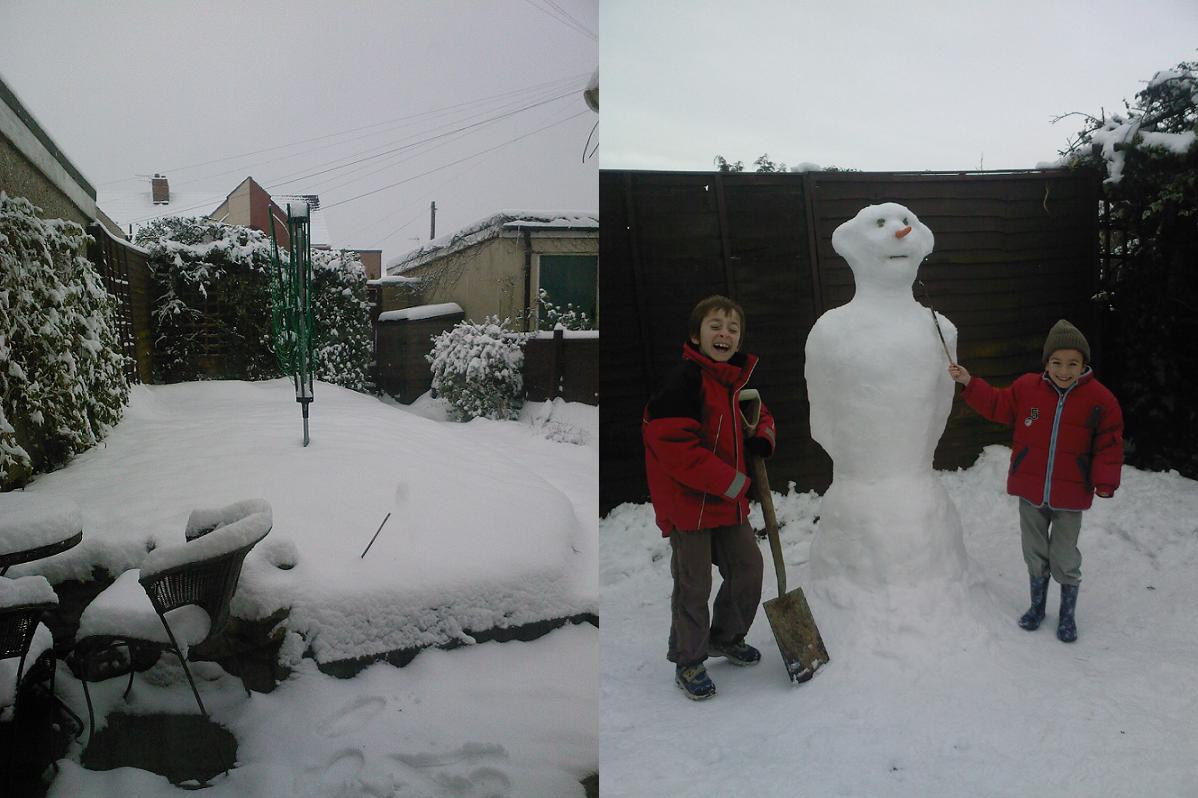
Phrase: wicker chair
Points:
(173, 582)
(22, 633)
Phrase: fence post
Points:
(559, 353)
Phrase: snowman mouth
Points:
(893, 257)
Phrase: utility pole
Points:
(432, 220)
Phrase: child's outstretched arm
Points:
(994, 404)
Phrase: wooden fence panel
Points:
(1015, 251)
(565, 364)
(126, 277)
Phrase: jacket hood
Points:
(736, 370)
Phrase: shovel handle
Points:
(762, 481)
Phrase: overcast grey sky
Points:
(873, 85)
(133, 87)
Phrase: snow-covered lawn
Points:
(932, 697)
(492, 524)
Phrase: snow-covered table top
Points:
(31, 521)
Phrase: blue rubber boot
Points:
(1031, 619)
(1067, 626)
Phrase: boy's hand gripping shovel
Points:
(794, 627)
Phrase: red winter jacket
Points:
(1067, 443)
(694, 443)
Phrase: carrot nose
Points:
(903, 233)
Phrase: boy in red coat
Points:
(1068, 446)
(695, 440)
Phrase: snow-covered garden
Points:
(931, 698)
(491, 529)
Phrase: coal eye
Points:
(905, 221)
(881, 223)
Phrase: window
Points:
(572, 280)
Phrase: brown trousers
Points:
(732, 549)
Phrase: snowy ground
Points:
(928, 698)
(492, 524)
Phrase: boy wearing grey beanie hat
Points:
(1068, 446)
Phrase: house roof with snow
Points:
(492, 226)
(134, 208)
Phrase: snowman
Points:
(880, 395)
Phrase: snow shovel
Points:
(794, 627)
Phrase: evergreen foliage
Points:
(62, 378)
(477, 369)
(1150, 287)
(212, 315)
(344, 342)
(551, 316)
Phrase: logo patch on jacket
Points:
(1032, 416)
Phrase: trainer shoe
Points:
(738, 653)
(694, 681)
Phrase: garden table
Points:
(33, 526)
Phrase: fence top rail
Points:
(1025, 174)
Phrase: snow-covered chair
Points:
(24, 639)
(178, 599)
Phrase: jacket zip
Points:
(1052, 444)
(735, 449)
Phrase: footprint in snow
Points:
(353, 716)
(337, 779)
(460, 772)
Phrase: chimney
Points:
(160, 191)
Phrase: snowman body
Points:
(880, 396)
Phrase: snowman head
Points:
(884, 245)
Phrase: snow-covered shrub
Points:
(212, 314)
(477, 369)
(62, 378)
(1148, 285)
(551, 316)
(343, 339)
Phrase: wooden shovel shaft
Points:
(761, 479)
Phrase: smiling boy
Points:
(1068, 445)
(695, 456)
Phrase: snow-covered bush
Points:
(62, 378)
(343, 339)
(477, 369)
(551, 316)
(1148, 284)
(212, 313)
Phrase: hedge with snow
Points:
(212, 312)
(62, 379)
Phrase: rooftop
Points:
(491, 227)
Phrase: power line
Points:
(260, 164)
(425, 141)
(410, 117)
(453, 163)
(566, 20)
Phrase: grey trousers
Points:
(1052, 552)
(732, 549)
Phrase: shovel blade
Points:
(798, 637)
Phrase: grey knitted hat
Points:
(1064, 335)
